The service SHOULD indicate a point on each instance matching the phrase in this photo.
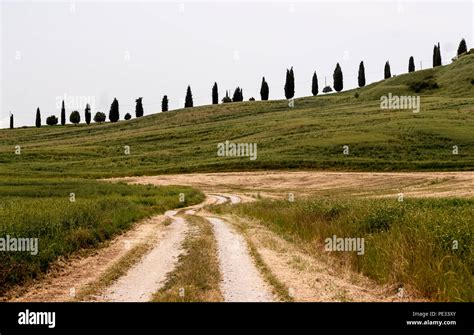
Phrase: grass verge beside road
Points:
(425, 245)
(66, 215)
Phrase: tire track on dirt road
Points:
(241, 279)
(150, 273)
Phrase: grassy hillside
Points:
(310, 135)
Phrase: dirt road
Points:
(275, 183)
(149, 274)
(241, 278)
(304, 277)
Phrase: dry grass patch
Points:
(197, 276)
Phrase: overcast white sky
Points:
(101, 50)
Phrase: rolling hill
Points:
(309, 136)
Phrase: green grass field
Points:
(426, 245)
(308, 136)
(34, 208)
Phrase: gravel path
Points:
(234, 199)
(241, 279)
(220, 199)
(147, 276)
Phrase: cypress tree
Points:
(114, 114)
(238, 95)
(139, 107)
(439, 55)
(189, 98)
(314, 84)
(63, 115)
(88, 114)
(38, 118)
(290, 84)
(164, 104)
(215, 94)
(387, 73)
(462, 47)
(11, 121)
(338, 79)
(436, 55)
(361, 77)
(411, 64)
(264, 90)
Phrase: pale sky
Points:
(98, 50)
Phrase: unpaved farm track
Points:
(241, 279)
(279, 183)
(305, 277)
(67, 278)
(149, 274)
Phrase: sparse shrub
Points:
(327, 89)
(226, 99)
(99, 117)
(252, 99)
(127, 116)
(51, 120)
(427, 84)
(75, 117)
(356, 95)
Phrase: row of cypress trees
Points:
(74, 117)
(337, 78)
(338, 84)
